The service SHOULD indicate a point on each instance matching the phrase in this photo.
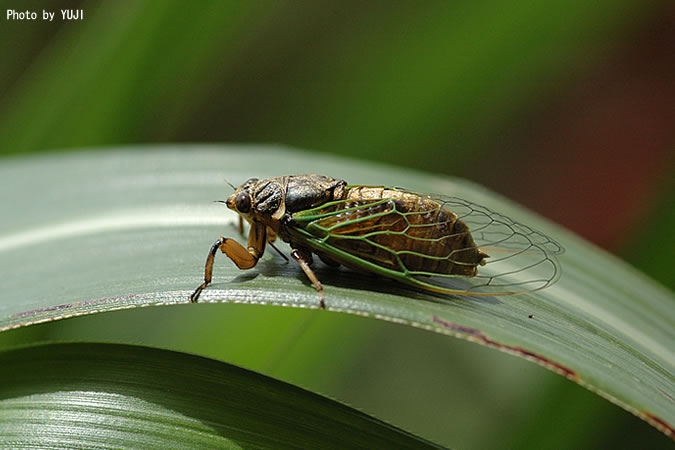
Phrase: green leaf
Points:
(98, 232)
(106, 395)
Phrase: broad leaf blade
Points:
(105, 395)
(119, 230)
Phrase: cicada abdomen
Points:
(438, 243)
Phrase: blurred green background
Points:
(564, 106)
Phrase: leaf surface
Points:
(89, 232)
(121, 396)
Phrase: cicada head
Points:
(243, 198)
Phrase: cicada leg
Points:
(271, 237)
(244, 258)
(303, 258)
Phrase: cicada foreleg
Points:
(240, 227)
(304, 258)
(271, 237)
(244, 258)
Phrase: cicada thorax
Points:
(402, 231)
(272, 200)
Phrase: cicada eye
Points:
(243, 202)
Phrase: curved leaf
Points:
(123, 229)
(106, 395)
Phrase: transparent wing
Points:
(418, 238)
(521, 259)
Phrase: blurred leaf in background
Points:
(564, 106)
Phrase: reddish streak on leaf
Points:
(659, 424)
(668, 396)
(33, 312)
(478, 335)
(481, 337)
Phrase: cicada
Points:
(436, 243)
